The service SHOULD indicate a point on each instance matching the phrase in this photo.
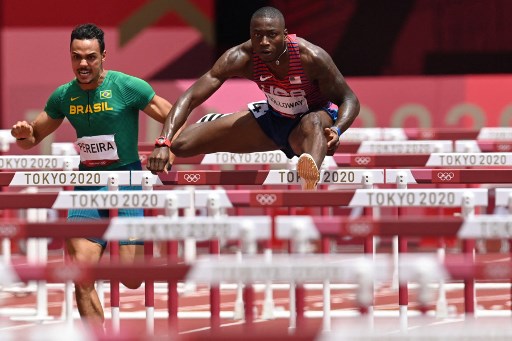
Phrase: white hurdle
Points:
(467, 198)
(405, 147)
(36, 249)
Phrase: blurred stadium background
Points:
(413, 63)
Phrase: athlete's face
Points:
(268, 38)
(87, 62)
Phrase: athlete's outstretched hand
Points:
(160, 160)
(333, 141)
(22, 130)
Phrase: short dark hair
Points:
(88, 31)
(268, 12)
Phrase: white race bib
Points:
(100, 150)
(288, 105)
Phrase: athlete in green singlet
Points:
(98, 114)
(103, 107)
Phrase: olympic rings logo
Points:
(428, 135)
(503, 147)
(192, 177)
(445, 176)
(8, 231)
(266, 199)
(359, 229)
(362, 160)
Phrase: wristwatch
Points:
(162, 141)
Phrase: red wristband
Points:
(162, 141)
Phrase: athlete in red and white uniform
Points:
(309, 104)
(294, 94)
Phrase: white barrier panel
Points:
(145, 178)
(467, 146)
(395, 176)
(426, 197)
(486, 227)
(275, 157)
(68, 178)
(39, 162)
(204, 197)
(503, 196)
(198, 228)
(374, 134)
(7, 275)
(287, 226)
(304, 268)
(327, 177)
(5, 139)
(225, 158)
(121, 199)
(421, 328)
(345, 268)
(421, 268)
(406, 147)
(64, 148)
(495, 133)
(392, 176)
(469, 159)
(475, 146)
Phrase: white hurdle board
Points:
(288, 226)
(217, 197)
(182, 228)
(314, 268)
(69, 178)
(5, 139)
(469, 159)
(467, 146)
(495, 134)
(39, 162)
(486, 226)
(328, 177)
(258, 158)
(504, 197)
(275, 157)
(64, 148)
(121, 199)
(405, 147)
(424, 197)
(374, 134)
(300, 268)
(84, 178)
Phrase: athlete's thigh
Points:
(128, 253)
(237, 133)
(83, 250)
(313, 122)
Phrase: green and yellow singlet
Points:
(110, 110)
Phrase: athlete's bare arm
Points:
(158, 109)
(30, 134)
(235, 62)
(321, 69)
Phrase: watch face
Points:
(162, 141)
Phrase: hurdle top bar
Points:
(472, 227)
(363, 177)
(199, 228)
(260, 268)
(448, 176)
(430, 197)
